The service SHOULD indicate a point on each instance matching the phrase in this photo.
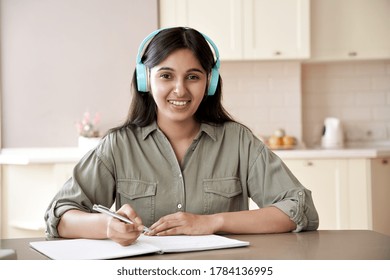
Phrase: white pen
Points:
(105, 210)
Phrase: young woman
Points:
(179, 164)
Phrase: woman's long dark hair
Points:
(143, 109)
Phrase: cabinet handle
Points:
(308, 163)
(277, 53)
(385, 161)
(352, 54)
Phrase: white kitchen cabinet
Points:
(326, 179)
(218, 19)
(26, 193)
(246, 30)
(380, 174)
(348, 193)
(350, 29)
(276, 29)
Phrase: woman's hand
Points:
(184, 223)
(124, 233)
(265, 220)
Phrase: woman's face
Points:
(178, 85)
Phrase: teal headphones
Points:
(143, 75)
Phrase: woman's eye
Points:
(193, 77)
(165, 76)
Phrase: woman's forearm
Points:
(264, 220)
(79, 224)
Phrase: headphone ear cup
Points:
(141, 69)
(213, 83)
(142, 77)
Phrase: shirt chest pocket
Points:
(222, 195)
(141, 196)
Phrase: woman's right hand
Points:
(124, 233)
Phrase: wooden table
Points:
(314, 245)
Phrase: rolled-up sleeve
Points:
(92, 182)
(281, 189)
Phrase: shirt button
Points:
(179, 206)
(300, 193)
(180, 175)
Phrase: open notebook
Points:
(90, 249)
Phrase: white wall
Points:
(265, 96)
(356, 92)
(62, 57)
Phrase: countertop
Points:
(23, 156)
(310, 245)
(345, 153)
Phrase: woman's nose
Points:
(180, 88)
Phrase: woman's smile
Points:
(179, 103)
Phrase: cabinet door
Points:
(276, 29)
(325, 179)
(359, 194)
(380, 194)
(221, 20)
(350, 29)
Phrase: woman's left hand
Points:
(184, 223)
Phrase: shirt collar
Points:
(208, 129)
(146, 130)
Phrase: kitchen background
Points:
(298, 97)
(61, 58)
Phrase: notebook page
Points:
(90, 249)
(184, 243)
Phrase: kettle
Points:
(332, 134)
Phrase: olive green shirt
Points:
(223, 167)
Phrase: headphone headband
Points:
(143, 74)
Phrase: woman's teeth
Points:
(178, 103)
